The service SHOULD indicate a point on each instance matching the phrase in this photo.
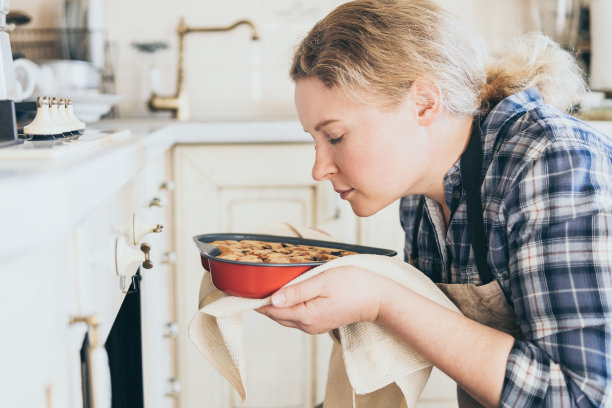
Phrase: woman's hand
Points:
(332, 299)
(475, 355)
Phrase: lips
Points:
(344, 193)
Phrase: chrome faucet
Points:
(178, 103)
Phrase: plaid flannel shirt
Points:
(547, 201)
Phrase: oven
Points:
(87, 268)
(126, 267)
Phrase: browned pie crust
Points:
(276, 252)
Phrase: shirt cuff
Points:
(527, 376)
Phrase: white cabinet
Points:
(242, 188)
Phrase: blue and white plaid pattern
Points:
(547, 200)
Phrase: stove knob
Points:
(76, 124)
(43, 124)
(128, 259)
(140, 228)
(146, 249)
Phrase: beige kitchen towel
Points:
(374, 359)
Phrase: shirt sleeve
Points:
(559, 231)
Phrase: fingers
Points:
(291, 317)
(287, 314)
(271, 312)
(298, 293)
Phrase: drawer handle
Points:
(172, 330)
(175, 388)
(92, 327)
(169, 258)
(156, 202)
(167, 185)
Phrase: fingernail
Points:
(278, 299)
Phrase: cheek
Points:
(366, 168)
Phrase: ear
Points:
(427, 98)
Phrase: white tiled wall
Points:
(228, 75)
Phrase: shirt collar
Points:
(508, 108)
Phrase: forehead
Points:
(315, 101)
(310, 90)
(312, 93)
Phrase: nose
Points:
(324, 166)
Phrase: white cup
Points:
(26, 75)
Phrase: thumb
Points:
(297, 293)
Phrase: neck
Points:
(451, 134)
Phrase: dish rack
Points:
(47, 44)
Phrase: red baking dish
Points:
(258, 280)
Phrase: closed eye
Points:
(335, 140)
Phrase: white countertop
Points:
(46, 191)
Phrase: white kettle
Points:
(26, 78)
(17, 78)
(8, 83)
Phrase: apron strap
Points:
(413, 257)
(471, 175)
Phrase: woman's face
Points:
(371, 156)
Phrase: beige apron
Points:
(485, 304)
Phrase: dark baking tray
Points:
(258, 280)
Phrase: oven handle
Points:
(98, 369)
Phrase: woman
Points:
(507, 201)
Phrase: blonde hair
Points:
(535, 60)
(375, 49)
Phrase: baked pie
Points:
(275, 252)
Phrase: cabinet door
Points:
(249, 208)
(241, 188)
(39, 351)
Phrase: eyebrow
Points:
(324, 123)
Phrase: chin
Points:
(363, 207)
(362, 211)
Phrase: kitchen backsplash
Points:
(227, 75)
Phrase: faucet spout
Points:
(184, 29)
(178, 104)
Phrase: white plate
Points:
(90, 107)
